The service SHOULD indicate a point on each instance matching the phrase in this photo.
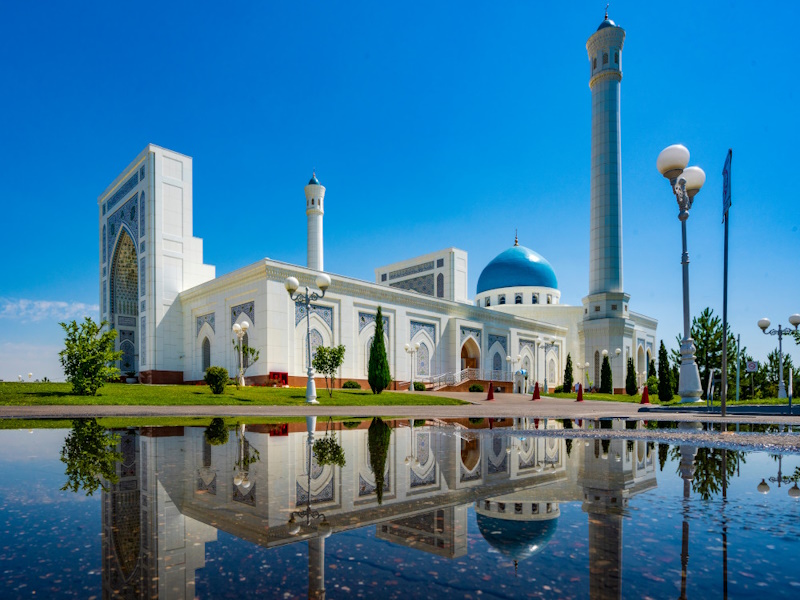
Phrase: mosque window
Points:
(206, 354)
(478, 302)
(594, 63)
(501, 507)
(616, 57)
(440, 286)
(518, 299)
(518, 508)
(383, 276)
(535, 299)
(501, 299)
(488, 301)
(605, 58)
(549, 298)
(596, 309)
(439, 262)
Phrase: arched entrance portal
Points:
(125, 301)
(470, 354)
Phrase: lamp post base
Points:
(689, 386)
(311, 389)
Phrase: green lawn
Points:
(32, 394)
(676, 401)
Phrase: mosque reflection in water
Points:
(175, 491)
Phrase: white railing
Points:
(466, 375)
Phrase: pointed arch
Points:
(423, 361)
(206, 354)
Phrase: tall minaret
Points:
(605, 54)
(606, 324)
(315, 196)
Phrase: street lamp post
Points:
(546, 345)
(239, 331)
(617, 352)
(323, 282)
(308, 514)
(585, 369)
(685, 182)
(512, 362)
(780, 331)
(412, 349)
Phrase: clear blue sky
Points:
(430, 125)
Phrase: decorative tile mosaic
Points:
(316, 341)
(142, 306)
(428, 478)
(324, 495)
(127, 321)
(365, 319)
(429, 328)
(142, 279)
(128, 449)
(498, 461)
(470, 331)
(105, 301)
(210, 487)
(126, 187)
(104, 247)
(497, 362)
(650, 347)
(124, 216)
(420, 268)
(141, 247)
(248, 308)
(440, 286)
(423, 361)
(141, 213)
(467, 476)
(499, 338)
(324, 312)
(249, 498)
(203, 319)
(143, 342)
(640, 342)
(141, 173)
(421, 285)
(500, 467)
(527, 344)
(104, 271)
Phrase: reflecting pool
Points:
(494, 508)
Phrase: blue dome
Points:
(515, 539)
(517, 266)
(606, 23)
(314, 180)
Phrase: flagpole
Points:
(726, 203)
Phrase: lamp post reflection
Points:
(686, 469)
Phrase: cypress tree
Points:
(378, 437)
(606, 380)
(664, 375)
(568, 380)
(379, 376)
(630, 379)
(651, 369)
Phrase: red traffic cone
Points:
(580, 393)
(536, 395)
(490, 395)
(645, 396)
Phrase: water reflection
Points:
(172, 489)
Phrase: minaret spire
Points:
(606, 12)
(516, 241)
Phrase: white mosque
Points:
(175, 316)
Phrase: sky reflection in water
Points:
(603, 520)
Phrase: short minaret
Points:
(315, 196)
(605, 54)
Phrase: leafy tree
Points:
(327, 361)
(217, 432)
(663, 454)
(665, 383)
(378, 437)
(767, 377)
(568, 380)
(379, 376)
(606, 380)
(88, 357)
(651, 369)
(652, 385)
(630, 379)
(91, 456)
(708, 473)
(249, 355)
(675, 374)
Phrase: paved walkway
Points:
(504, 405)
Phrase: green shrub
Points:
(558, 389)
(419, 386)
(328, 451)
(631, 387)
(476, 421)
(606, 379)
(476, 387)
(351, 424)
(217, 379)
(378, 376)
(378, 437)
(88, 357)
(568, 379)
(420, 422)
(652, 385)
(351, 385)
(217, 432)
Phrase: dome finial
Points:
(516, 241)
(606, 12)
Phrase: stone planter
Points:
(131, 380)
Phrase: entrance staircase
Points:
(438, 382)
